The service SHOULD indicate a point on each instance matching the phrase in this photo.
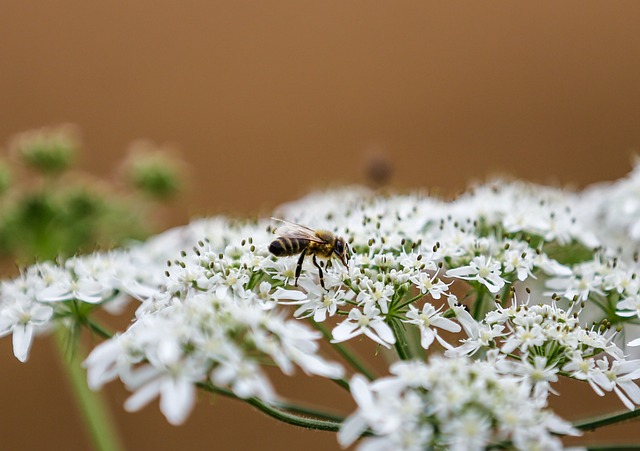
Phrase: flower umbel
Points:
(480, 304)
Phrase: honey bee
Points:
(297, 239)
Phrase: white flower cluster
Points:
(543, 341)
(213, 321)
(220, 309)
(46, 292)
(613, 210)
(450, 403)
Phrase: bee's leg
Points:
(315, 262)
(299, 267)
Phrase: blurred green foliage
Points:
(53, 210)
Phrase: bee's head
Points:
(341, 250)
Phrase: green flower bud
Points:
(153, 171)
(48, 150)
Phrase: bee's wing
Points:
(293, 230)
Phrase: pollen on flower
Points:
(425, 319)
(484, 272)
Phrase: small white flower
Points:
(427, 321)
(519, 261)
(176, 391)
(376, 293)
(65, 289)
(483, 336)
(430, 284)
(537, 373)
(22, 318)
(579, 285)
(369, 323)
(483, 270)
(244, 378)
(619, 376)
(629, 306)
(524, 338)
(467, 432)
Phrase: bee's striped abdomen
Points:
(287, 246)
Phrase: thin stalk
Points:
(97, 328)
(505, 294)
(414, 339)
(295, 420)
(332, 425)
(410, 301)
(402, 346)
(345, 352)
(98, 421)
(478, 304)
(310, 411)
(342, 383)
(606, 420)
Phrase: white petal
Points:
(177, 398)
(427, 337)
(443, 342)
(446, 324)
(632, 390)
(143, 396)
(313, 364)
(469, 324)
(100, 364)
(320, 315)
(351, 429)
(384, 331)
(371, 334)
(168, 351)
(359, 388)
(463, 271)
(344, 331)
(90, 291)
(55, 293)
(493, 284)
(41, 314)
(22, 338)
(140, 376)
(628, 404)
(294, 295)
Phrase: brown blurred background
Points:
(267, 100)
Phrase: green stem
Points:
(94, 411)
(414, 339)
(295, 420)
(332, 425)
(344, 352)
(606, 420)
(505, 294)
(342, 383)
(478, 304)
(402, 346)
(97, 328)
(310, 411)
(410, 301)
